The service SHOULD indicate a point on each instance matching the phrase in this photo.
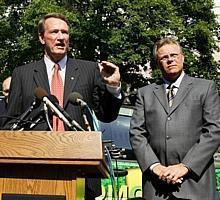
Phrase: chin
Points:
(173, 71)
(59, 52)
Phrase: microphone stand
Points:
(88, 127)
(47, 116)
(94, 119)
(72, 125)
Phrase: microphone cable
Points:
(76, 99)
(112, 175)
(94, 119)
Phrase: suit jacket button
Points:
(167, 137)
(168, 118)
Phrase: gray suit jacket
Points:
(188, 132)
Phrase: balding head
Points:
(5, 87)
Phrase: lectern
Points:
(45, 165)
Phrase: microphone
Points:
(21, 119)
(42, 95)
(39, 117)
(35, 120)
(76, 99)
(55, 101)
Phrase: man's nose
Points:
(170, 58)
(60, 35)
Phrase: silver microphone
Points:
(76, 99)
(41, 94)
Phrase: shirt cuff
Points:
(115, 91)
(186, 167)
(154, 165)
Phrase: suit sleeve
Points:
(138, 136)
(105, 105)
(201, 153)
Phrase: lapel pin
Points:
(72, 78)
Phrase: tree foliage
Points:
(123, 32)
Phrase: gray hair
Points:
(164, 41)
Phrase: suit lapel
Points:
(160, 93)
(71, 77)
(40, 75)
(41, 78)
(185, 87)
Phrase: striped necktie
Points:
(57, 90)
(170, 94)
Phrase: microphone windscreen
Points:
(74, 96)
(40, 93)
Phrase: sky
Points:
(217, 8)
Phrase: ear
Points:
(41, 38)
(183, 57)
(158, 64)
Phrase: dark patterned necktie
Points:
(170, 94)
(57, 90)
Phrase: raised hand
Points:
(110, 73)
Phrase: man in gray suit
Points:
(98, 84)
(174, 141)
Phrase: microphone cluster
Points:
(21, 121)
(51, 102)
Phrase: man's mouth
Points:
(60, 45)
(170, 66)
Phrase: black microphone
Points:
(21, 119)
(36, 121)
(76, 99)
(42, 95)
(38, 118)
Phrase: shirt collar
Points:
(50, 64)
(176, 83)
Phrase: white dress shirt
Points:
(115, 91)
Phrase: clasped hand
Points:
(110, 73)
(172, 174)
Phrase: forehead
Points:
(168, 49)
(53, 23)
